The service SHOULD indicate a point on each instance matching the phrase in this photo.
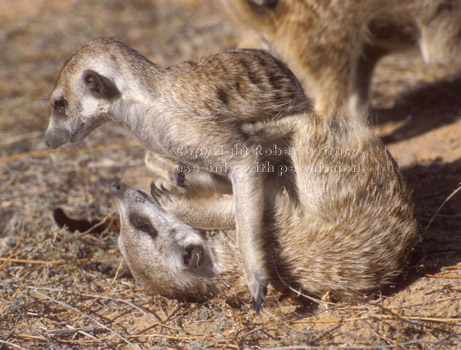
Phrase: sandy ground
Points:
(60, 289)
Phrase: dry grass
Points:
(66, 290)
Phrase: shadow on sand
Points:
(422, 110)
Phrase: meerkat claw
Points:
(157, 192)
(258, 300)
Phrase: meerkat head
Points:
(82, 95)
(439, 24)
(166, 256)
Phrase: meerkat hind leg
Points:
(175, 177)
(249, 199)
(166, 172)
(213, 212)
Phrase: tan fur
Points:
(332, 46)
(189, 114)
(341, 222)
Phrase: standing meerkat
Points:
(345, 227)
(333, 46)
(190, 113)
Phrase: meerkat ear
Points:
(99, 85)
(193, 256)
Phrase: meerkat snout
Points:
(117, 189)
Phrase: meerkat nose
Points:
(118, 189)
(48, 141)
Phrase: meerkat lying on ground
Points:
(333, 46)
(191, 114)
(342, 220)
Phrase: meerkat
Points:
(345, 228)
(188, 114)
(333, 46)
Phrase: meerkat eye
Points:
(142, 223)
(59, 105)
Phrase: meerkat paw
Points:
(257, 283)
(167, 173)
(176, 183)
(163, 196)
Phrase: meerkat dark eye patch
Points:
(142, 223)
(59, 104)
(59, 107)
(99, 85)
